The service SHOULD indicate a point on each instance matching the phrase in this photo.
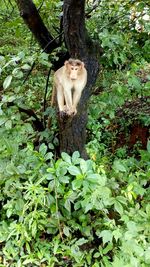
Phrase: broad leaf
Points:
(118, 166)
(66, 157)
(7, 82)
(73, 170)
(118, 207)
(106, 235)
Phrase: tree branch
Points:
(36, 122)
(32, 19)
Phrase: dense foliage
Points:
(70, 211)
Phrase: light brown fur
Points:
(69, 82)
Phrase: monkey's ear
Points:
(82, 64)
(66, 63)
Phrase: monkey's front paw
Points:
(68, 111)
(73, 111)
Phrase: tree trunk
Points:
(73, 130)
(33, 20)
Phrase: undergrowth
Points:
(68, 211)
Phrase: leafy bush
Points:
(72, 211)
(68, 211)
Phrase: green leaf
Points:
(21, 55)
(83, 166)
(118, 262)
(106, 236)
(56, 245)
(44, 56)
(21, 169)
(76, 184)
(8, 124)
(73, 170)
(19, 205)
(118, 207)
(148, 209)
(118, 166)
(96, 255)
(122, 200)
(135, 82)
(81, 241)
(148, 146)
(147, 255)
(66, 231)
(17, 73)
(49, 156)
(117, 234)
(76, 157)
(28, 247)
(96, 178)
(64, 179)
(2, 59)
(132, 226)
(108, 248)
(66, 157)
(29, 261)
(67, 205)
(2, 120)
(26, 67)
(43, 149)
(7, 82)
(34, 228)
(61, 170)
(9, 212)
(50, 170)
(88, 206)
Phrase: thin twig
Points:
(38, 9)
(93, 8)
(45, 95)
(29, 72)
(51, 42)
(33, 64)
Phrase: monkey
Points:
(69, 82)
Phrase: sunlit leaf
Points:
(66, 231)
(118, 207)
(26, 67)
(7, 82)
(106, 235)
(76, 184)
(43, 149)
(73, 170)
(66, 157)
(148, 146)
(118, 166)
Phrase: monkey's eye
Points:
(72, 68)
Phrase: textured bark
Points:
(74, 27)
(73, 130)
(34, 22)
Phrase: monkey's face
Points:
(73, 68)
(74, 72)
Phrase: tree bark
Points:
(73, 130)
(33, 20)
